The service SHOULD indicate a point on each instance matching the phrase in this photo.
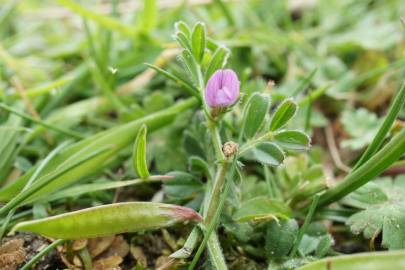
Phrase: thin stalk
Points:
(216, 140)
(216, 192)
(393, 111)
(266, 137)
(42, 253)
(304, 227)
(304, 84)
(209, 237)
(383, 159)
(42, 123)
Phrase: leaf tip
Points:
(186, 213)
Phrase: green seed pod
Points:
(109, 220)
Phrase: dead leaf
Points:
(139, 256)
(12, 254)
(98, 245)
(79, 244)
(110, 263)
(119, 247)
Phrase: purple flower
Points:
(222, 89)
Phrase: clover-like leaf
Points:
(256, 109)
(283, 114)
(292, 139)
(269, 153)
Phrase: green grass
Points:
(79, 79)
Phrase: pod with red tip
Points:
(109, 220)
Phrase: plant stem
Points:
(266, 137)
(42, 253)
(216, 140)
(383, 159)
(393, 111)
(304, 227)
(219, 182)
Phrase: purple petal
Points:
(222, 88)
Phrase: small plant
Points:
(255, 141)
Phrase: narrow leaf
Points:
(139, 154)
(191, 65)
(198, 41)
(183, 27)
(187, 86)
(109, 220)
(292, 139)
(105, 21)
(217, 61)
(183, 41)
(283, 114)
(256, 109)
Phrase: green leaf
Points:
(183, 185)
(183, 27)
(383, 202)
(280, 237)
(370, 261)
(79, 190)
(285, 111)
(149, 16)
(198, 164)
(255, 113)
(217, 61)
(118, 137)
(105, 21)
(261, 208)
(192, 145)
(139, 154)
(183, 41)
(269, 153)
(191, 65)
(178, 80)
(198, 41)
(109, 220)
(292, 139)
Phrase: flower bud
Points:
(222, 89)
